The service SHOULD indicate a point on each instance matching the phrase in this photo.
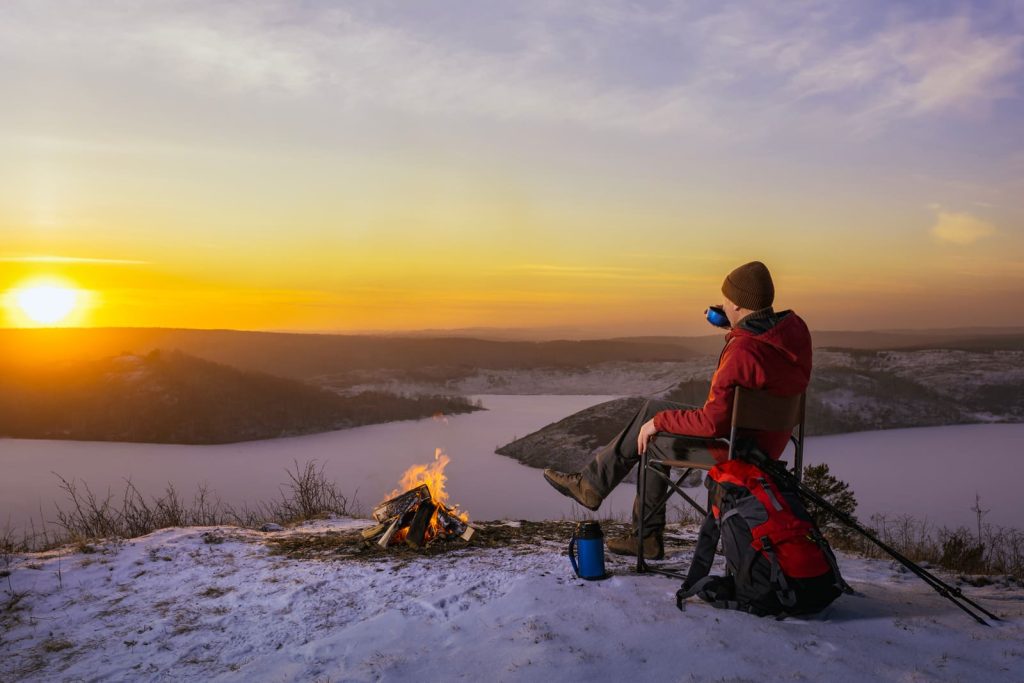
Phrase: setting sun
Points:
(47, 305)
(45, 302)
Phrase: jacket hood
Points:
(785, 330)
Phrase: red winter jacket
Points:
(767, 350)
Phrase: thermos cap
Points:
(589, 530)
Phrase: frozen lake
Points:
(931, 472)
(366, 462)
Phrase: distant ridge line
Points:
(520, 334)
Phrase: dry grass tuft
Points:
(350, 545)
(56, 644)
(86, 518)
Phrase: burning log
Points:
(401, 504)
(419, 515)
(416, 537)
(375, 530)
(453, 525)
(392, 528)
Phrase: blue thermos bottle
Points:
(588, 542)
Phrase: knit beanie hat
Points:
(750, 286)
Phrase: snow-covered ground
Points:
(174, 606)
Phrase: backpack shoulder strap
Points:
(704, 552)
(694, 589)
(785, 594)
(703, 558)
(830, 557)
(719, 592)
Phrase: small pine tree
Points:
(837, 493)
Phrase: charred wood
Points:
(415, 538)
(400, 504)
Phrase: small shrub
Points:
(311, 495)
(961, 552)
(837, 493)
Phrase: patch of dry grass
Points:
(85, 517)
(56, 644)
(998, 551)
(349, 545)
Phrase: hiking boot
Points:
(573, 484)
(654, 545)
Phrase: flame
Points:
(432, 474)
(439, 417)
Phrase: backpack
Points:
(776, 558)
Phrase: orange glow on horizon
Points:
(337, 291)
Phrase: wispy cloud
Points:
(960, 228)
(603, 272)
(72, 259)
(673, 68)
(914, 69)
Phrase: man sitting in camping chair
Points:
(763, 350)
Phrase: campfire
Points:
(417, 513)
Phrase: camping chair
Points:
(752, 410)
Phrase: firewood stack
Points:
(417, 519)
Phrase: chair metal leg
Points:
(641, 563)
(641, 493)
(664, 499)
(645, 514)
(675, 486)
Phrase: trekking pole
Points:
(951, 593)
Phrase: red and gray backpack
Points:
(777, 560)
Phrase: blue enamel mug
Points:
(587, 543)
(716, 316)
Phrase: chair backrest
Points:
(760, 410)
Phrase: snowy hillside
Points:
(212, 604)
(851, 389)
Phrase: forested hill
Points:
(172, 397)
(312, 356)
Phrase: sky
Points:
(593, 168)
